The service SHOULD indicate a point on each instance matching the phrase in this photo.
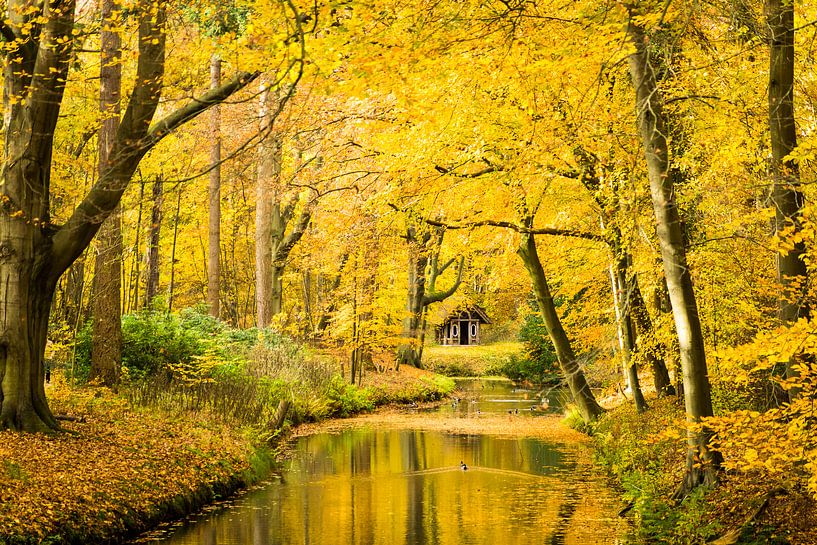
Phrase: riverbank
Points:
(120, 469)
(645, 455)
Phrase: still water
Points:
(498, 396)
(402, 486)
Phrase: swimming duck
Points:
(463, 466)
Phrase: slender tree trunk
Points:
(623, 295)
(424, 270)
(172, 287)
(136, 276)
(655, 352)
(152, 253)
(702, 461)
(574, 376)
(786, 195)
(106, 351)
(214, 230)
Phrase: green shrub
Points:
(347, 399)
(540, 364)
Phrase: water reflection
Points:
(497, 396)
(368, 486)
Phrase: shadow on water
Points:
(406, 487)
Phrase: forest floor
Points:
(121, 469)
(646, 459)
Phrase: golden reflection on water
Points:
(375, 486)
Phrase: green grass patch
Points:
(470, 361)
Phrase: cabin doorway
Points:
(464, 333)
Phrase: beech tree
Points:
(106, 350)
(34, 252)
(786, 195)
(424, 244)
(702, 461)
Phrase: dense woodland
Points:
(638, 175)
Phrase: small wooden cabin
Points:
(462, 326)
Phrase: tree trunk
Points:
(172, 286)
(214, 223)
(106, 350)
(702, 461)
(266, 199)
(579, 389)
(424, 270)
(786, 196)
(654, 354)
(408, 352)
(152, 254)
(136, 271)
(623, 296)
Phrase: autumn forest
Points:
(226, 224)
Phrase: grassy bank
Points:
(471, 361)
(646, 457)
(122, 467)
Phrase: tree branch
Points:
(184, 114)
(437, 296)
(520, 229)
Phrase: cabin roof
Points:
(447, 314)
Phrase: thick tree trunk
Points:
(786, 195)
(214, 223)
(152, 253)
(267, 204)
(702, 461)
(574, 376)
(106, 350)
(408, 352)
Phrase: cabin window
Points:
(473, 329)
(454, 330)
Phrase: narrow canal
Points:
(400, 480)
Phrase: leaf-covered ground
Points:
(646, 454)
(117, 471)
(122, 469)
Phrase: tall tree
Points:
(277, 226)
(152, 250)
(106, 349)
(424, 244)
(572, 371)
(214, 223)
(786, 195)
(702, 461)
(34, 253)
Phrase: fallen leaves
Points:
(113, 473)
